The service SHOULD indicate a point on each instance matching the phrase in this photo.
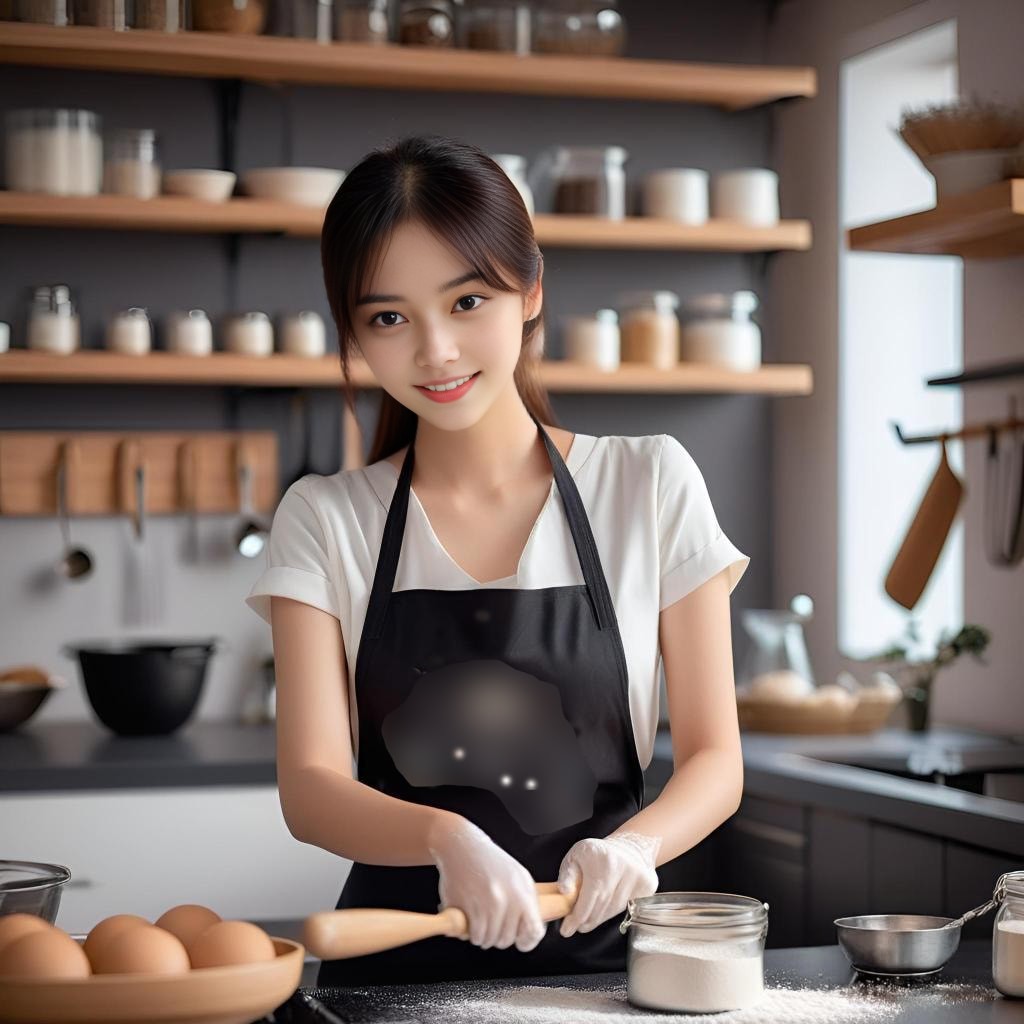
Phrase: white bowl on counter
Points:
(200, 183)
(307, 186)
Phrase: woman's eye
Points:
(390, 322)
(466, 309)
(391, 319)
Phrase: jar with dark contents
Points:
(160, 15)
(362, 21)
(427, 23)
(115, 14)
(579, 27)
(590, 181)
(496, 25)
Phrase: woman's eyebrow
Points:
(471, 275)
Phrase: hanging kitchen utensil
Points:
(1004, 498)
(915, 561)
(251, 537)
(358, 931)
(75, 563)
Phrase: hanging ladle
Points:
(75, 562)
(906, 944)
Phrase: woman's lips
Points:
(448, 396)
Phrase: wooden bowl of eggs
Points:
(190, 966)
(783, 701)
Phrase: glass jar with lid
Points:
(427, 22)
(582, 27)
(649, 326)
(496, 25)
(362, 21)
(53, 324)
(514, 165)
(59, 151)
(590, 180)
(132, 166)
(1008, 935)
(695, 952)
(114, 14)
(717, 329)
(777, 665)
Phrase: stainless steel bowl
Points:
(27, 887)
(900, 944)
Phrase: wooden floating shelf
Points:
(987, 223)
(223, 368)
(276, 59)
(244, 215)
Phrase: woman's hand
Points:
(493, 890)
(607, 874)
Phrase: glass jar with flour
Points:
(695, 952)
(1008, 936)
(717, 329)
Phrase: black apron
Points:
(508, 707)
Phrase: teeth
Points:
(449, 386)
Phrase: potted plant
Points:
(916, 675)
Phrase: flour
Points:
(697, 977)
(1008, 958)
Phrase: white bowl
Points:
(308, 186)
(966, 170)
(213, 186)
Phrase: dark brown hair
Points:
(468, 201)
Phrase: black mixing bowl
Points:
(143, 687)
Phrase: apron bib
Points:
(508, 707)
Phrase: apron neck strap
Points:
(579, 527)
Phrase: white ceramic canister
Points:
(304, 334)
(53, 324)
(251, 334)
(130, 332)
(594, 340)
(717, 330)
(190, 334)
(59, 151)
(749, 195)
(677, 193)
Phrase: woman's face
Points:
(426, 317)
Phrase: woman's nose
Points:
(436, 346)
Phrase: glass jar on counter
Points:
(649, 326)
(55, 151)
(190, 333)
(53, 324)
(717, 329)
(362, 21)
(594, 340)
(496, 25)
(777, 665)
(427, 23)
(115, 14)
(251, 334)
(130, 332)
(590, 180)
(132, 167)
(579, 27)
(514, 166)
(1008, 936)
(695, 952)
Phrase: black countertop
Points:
(84, 755)
(962, 992)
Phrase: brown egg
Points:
(187, 921)
(106, 929)
(44, 954)
(13, 926)
(231, 942)
(142, 950)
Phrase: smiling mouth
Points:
(450, 386)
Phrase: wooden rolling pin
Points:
(340, 934)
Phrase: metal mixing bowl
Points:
(27, 887)
(903, 944)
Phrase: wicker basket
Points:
(759, 715)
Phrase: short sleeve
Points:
(298, 557)
(692, 546)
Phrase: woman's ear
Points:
(533, 303)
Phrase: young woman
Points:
(477, 617)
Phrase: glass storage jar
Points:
(427, 23)
(53, 324)
(43, 12)
(115, 14)
(56, 151)
(590, 180)
(695, 952)
(777, 665)
(361, 21)
(1008, 936)
(496, 25)
(514, 166)
(160, 15)
(717, 329)
(132, 167)
(579, 27)
(649, 328)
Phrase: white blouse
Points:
(649, 510)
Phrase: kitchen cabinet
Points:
(143, 851)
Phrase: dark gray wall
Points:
(729, 436)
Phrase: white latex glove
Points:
(608, 874)
(494, 891)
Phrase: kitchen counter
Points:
(800, 981)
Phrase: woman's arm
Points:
(321, 801)
(707, 779)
